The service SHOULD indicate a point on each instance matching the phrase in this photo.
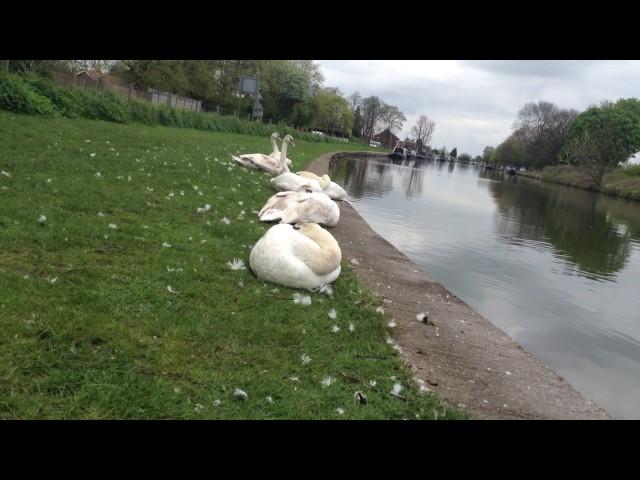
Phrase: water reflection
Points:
(569, 219)
(555, 267)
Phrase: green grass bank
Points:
(122, 303)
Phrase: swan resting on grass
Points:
(266, 163)
(275, 154)
(332, 189)
(302, 205)
(302, 256)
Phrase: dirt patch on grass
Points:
(456, 352)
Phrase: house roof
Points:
(92, 74)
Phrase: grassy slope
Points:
(89, 329)
(615, 183)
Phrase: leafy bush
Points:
(17, 95)
(107, 106)
(62, 99)
(143, 112)
(37, 95)
(631, 170)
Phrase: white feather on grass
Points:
(241, 394)
(42, 219)
(335, 329)
(236, 264)
(225, 220)
(328, 381)
(397, 389)
(166, 245)
(305, 359)
(301, 299)
(333, 314)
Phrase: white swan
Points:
(260, 161)
(290, 181)
(332, 189)
(302, 205)
(305, 256)
(275, 154)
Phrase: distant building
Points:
(386, 138)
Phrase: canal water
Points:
(556, 268)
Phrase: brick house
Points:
(386, 138)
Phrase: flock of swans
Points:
(297, 252)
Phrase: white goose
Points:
(304, 256)
(302, 205)
(260, 161)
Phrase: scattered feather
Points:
(225, 220)
(340, 411)
(397, 388)
(360, 397)
(240, 394)
(171, 290)
(354, 261)
(305, 359)
(327, 289)
(333, 314)
(236, 264)
(42, 219)
(301, 299)
(328, 381)
(113, 226)
(351, 328)
(166, 244)
(216, 403)
(6, 174)
(391, 324)
(335, 329)
(380, 310)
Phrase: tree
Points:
(331, 112)
(357, 123)
(602, 137)
(371, 110)
(391, 117)
(423, 130)
(542, 128)
(355, 100)
(464, 157)
(486, 154)
(454, 153)
(510, 152)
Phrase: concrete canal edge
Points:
(462, 357)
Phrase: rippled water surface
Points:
(557, 268)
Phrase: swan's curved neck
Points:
(274, 145)
(283, 158)
(329, 257)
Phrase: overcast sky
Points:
(474, 103)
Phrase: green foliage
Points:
(16, 95)
(510, 152)
(40, 96)
(62, 99)
(631, 170)
(604, 136)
